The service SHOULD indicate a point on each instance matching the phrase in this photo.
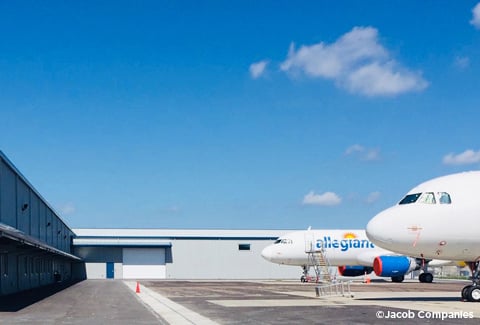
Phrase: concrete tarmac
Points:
(292, 302)
(87, 302)
(247, 302)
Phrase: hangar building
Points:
(35, 243)
(178, 254)
(37, 248)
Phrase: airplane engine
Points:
(393, 266)
(355, 270)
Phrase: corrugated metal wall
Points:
(24, 267)
(194, 259)
(22, 208)
(222, 259)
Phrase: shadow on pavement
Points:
(17, 301)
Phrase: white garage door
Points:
(144, 263)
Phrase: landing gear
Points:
(425, 277)
(465, 292)
(472, 292)
(305, 277)
(398, 278)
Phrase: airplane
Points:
(436, 219)
(350, 250)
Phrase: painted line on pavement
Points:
(170, 311)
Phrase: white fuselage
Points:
(437, 219)
(341, 247)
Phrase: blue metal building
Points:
(35, 243)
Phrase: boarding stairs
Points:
(320, 265)
(319, 261)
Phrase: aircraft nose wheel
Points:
(465, 291)
(425, 277)
(471, 293)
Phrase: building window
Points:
(243, 247)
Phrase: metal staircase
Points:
(318, 260)
(320, 265)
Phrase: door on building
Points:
(110, 270)
(144, 263)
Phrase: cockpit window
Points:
(427, 198)
(410, 198)
(283, 241)
(444, 198)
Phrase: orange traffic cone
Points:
(137, 290)
(366, 278)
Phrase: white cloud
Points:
(327, 198)
(257, 69)
(367, 154)
(357, 62)
(330, 61)
(461, 62)
(355, 148)
(373, 197)
(476, 16)
(66, 208)
(465, 158)
(371, 155)
(377, 79)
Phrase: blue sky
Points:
(237, 114)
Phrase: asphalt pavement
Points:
(239, 302)
(87, 302)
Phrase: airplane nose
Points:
(267, 253)
(377, 229)
(372, 229)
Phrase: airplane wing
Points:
(366, 258)
(445, 262)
